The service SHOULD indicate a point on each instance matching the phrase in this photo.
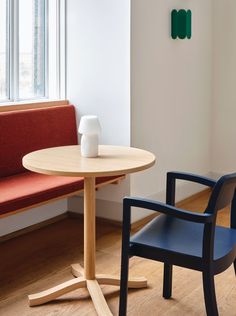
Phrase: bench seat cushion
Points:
(29, 188)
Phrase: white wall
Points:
(98, 74)
(171, 91)
(98, 64)
(223, 158)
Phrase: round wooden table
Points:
(67, 161)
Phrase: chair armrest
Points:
(128, 202)
(173, 175)
(191, 177)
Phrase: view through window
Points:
(3, 49)
(32, 48)
(29, 49)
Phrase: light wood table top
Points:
(67, 161)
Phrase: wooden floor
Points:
(41, 259)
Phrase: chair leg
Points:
(124, 283)
(235, 266)
(209, 294)
(167, 280)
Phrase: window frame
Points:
(12, 80)
(6, 44)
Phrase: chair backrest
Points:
(27, 130)
(222, 193)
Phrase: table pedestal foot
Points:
(77, 270)
(93, 287)
(133, 283)
(56, 291)
(98, 298)
(108, 279)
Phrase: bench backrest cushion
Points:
(27, 130)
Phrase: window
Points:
(31, 49)
(3, 49)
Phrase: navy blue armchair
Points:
(183, 238)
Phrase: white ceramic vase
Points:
(89, 145)
(90, 129)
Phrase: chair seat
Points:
(29, 188)
(180, 236)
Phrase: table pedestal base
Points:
(92, 286)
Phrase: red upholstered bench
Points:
(24, 131)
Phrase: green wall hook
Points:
(181, 24)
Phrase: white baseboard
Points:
(30, 217)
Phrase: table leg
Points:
(89, 228)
